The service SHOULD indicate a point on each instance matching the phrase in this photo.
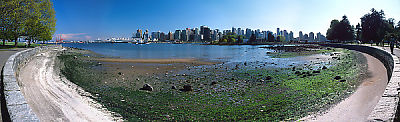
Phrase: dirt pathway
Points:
(53, 98)
(360, 104)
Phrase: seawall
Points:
(387, 107)
(15, 107)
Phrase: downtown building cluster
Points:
(205, 34)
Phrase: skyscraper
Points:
(239, 31)
(278, 32)
(170, 36)
(177, 35)
(286, 35)
(300, 35)
(207, 34)
(139, 33)
(311, 37)
(291, 36)
(234, 31)
(248, 33)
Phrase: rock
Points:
(316, 71)
(146, 87)
(187, 88)
(324, 67)
(268, 78)
(338, 77)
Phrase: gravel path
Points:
(360, 104)
(54, 98)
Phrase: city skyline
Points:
(88, 20)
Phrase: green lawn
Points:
(10, 45)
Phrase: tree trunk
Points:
(29, 43)
(4, 42)
(16, 42)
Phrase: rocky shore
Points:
(191, 89)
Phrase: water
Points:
(234, 53)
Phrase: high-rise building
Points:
(305, 37)
(248, 33)
(170, 36)
(300, 36)
(202, 29)
(234, 31)
(163, 36)
(184, 35)
(146, 35)
(239, 31)
(291, 36)
(177, 35)
(207, 34)
(286, 35)
(278, 32)
(311, 37)
(139, 33)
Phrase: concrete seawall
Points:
(15, 104)
(387, 107)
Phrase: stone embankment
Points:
(16, 107)
(387, 107)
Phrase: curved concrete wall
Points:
(387, 107)
(15, 103)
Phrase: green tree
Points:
(33, 19)
(341, 31)
(372, 26)
(332, 32)
(358, 32)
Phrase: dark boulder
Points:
(338, 77)
(268, 78)
(317, 71)
(146, 87)
(187, 88)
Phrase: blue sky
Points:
(91, 19)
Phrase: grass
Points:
(10, 45)
(240, 95)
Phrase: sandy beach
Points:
(54, 98)
(360, 104)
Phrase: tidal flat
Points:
(202, 90)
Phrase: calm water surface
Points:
(235, 53)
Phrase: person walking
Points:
(391, 46)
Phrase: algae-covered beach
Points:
(195, 89)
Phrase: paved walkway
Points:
(4, 55)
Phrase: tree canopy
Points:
(32, 19)
(340, 30)
(372, 25)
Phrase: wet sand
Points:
(159, 61)
(360, 104)
(54, 98)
